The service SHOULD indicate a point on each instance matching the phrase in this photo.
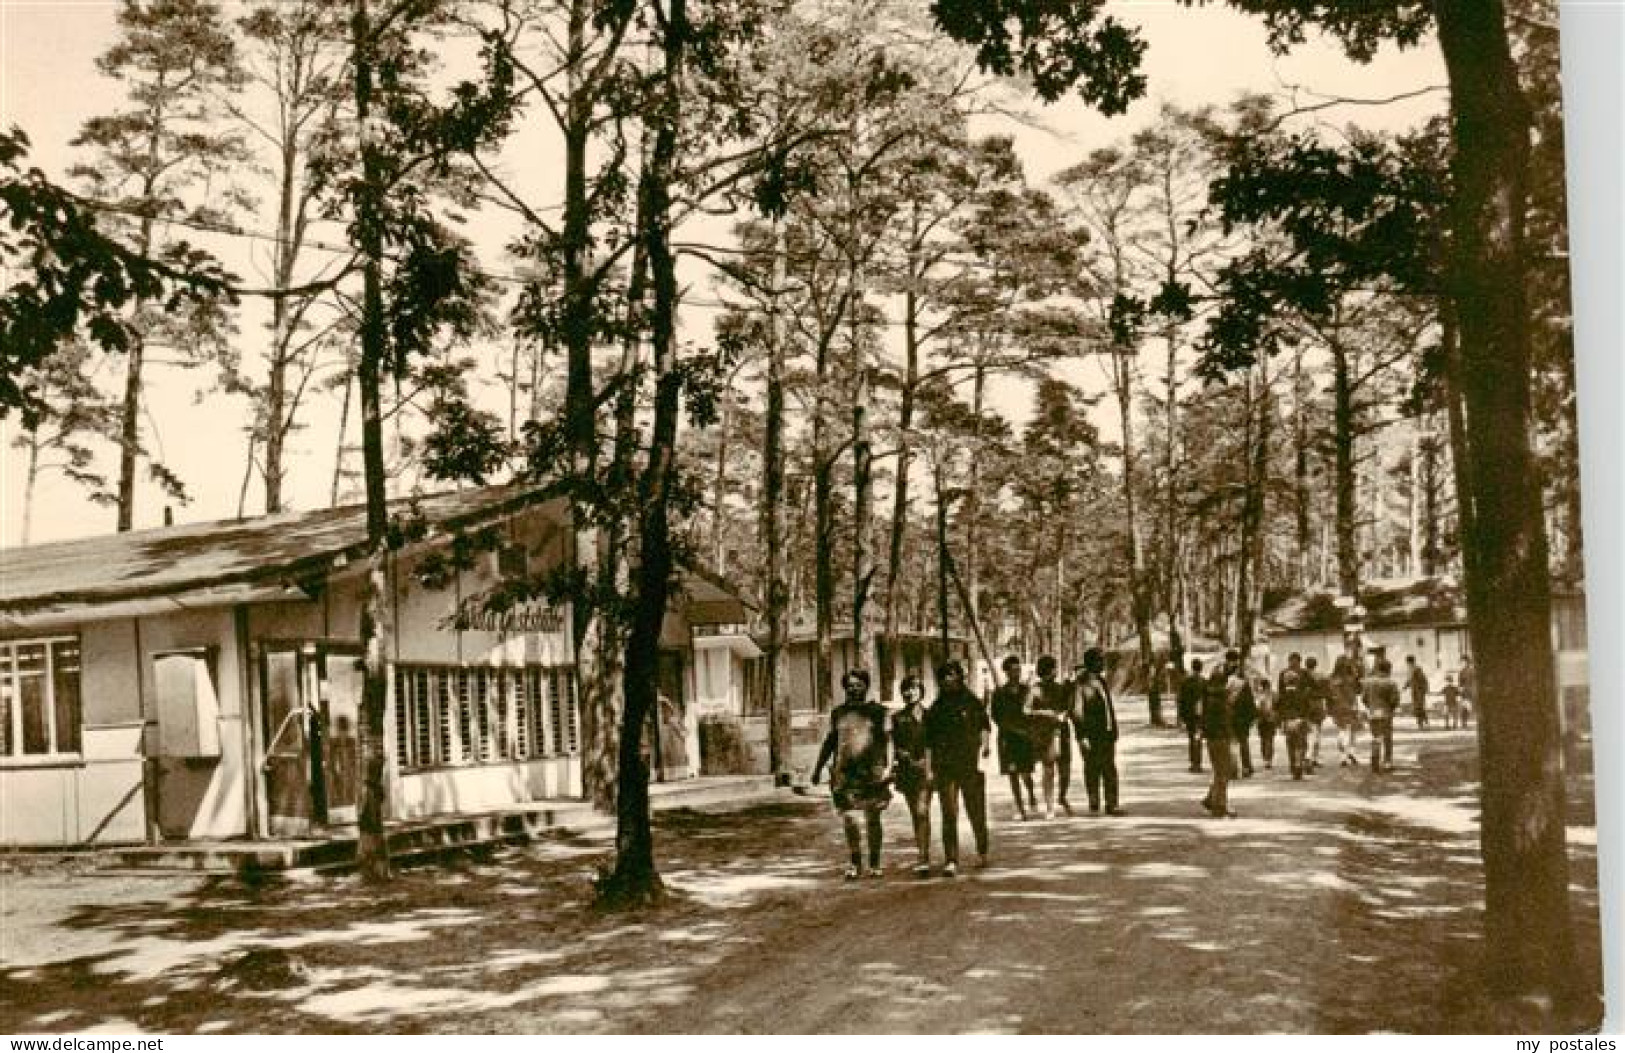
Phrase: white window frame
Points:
(8, 659)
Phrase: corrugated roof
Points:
(179, 559)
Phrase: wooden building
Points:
(203, 682)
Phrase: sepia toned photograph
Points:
(881, 517)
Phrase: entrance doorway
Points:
(312, 718)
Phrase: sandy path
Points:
(1162, 921)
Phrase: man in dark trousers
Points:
(1243, 715)
(1292, 710)
(956, 738)
(1217, 729)
(1190, 712)
(1416, 683)
(1095, 720)
(1380, 697)
(857, 743)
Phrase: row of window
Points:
(39, 697)
(446, 715)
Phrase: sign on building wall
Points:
(530, 633)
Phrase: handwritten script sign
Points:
(525, 620)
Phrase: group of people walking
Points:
(921, 751)
(936, 751)
(1220, 711)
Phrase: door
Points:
(287, 742)
(312, 725)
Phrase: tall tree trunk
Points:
(862, 555)
(944, 645)
(1170, 511)
(823, 536)
(338, 450)
(1237, 630)
(30, 478)
(862, 484)
(719, 483)
(372, 848)
(130, 410)
(1431, 511)
(1344, 482)
(1300, 473)
(1250, 557)
(575, 242)
(1139, 587)
(777, 594)
(1058, 647)
(248, 472)
(1508, 588)
(1414, 500)
(634, 878)
(972, 511)
(130, 430)
(284, 255)
(900, 492)
(608, 635)
(595, 694)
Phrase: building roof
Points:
(282, 549)
(266, 558)
(1423, 602)
(709, 599)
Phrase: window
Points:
(449, 716)
(513, 561)
(755, 687)
(39, 697)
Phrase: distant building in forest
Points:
(1426, 618)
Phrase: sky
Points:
(49, 85)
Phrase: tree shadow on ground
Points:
(1343, 903)
(1417, 882)
(442, 947)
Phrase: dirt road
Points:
(1159, 921)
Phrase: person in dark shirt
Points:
(1380, 696)
(857, 745)
(1047, 729)
(1416, 682)
(1190, 712)
(1244, 714)
(1319, 692)
(1268, 721)
(956, 736)
(1096, 722)
(911, 766)
(1012, 712)
(1292, 710)
(1216, 730)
